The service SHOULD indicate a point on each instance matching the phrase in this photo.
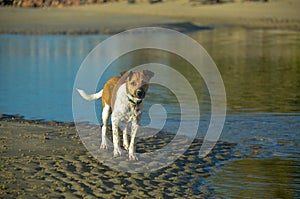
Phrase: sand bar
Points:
(115, 17)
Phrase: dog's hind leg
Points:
(105, 117)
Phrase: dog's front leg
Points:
(125, 138)
(132, 155)
(116, 141)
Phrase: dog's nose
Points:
(140, 93)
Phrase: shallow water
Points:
(37, 74)
(258, 178)
(261, 73)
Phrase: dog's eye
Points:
(133, 83)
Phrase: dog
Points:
(122, 99)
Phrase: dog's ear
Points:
(126, 74)
(123, 73)
(149, 74)
(129, 75)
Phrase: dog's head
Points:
(137, 84)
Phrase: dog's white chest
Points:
(123, 109)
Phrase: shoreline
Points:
(112, 18)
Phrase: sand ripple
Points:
(48, 160)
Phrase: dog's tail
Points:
(91, 97)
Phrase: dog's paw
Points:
(117, 152)
(104, 147)
(126, 147)
(133, 157)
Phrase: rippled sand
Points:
(48, 160)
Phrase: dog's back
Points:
(108, 93)
(110, 88)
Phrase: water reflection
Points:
(37, 74)
(254, 178)
(260, 68)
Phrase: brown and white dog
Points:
(122, 98)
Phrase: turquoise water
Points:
(261, 73)
(37, 74)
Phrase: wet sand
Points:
(48, 160)
(116, 17)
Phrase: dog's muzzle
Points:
(140, 93)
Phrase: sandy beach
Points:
(48, 160)
(116, 17)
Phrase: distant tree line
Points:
(63, 3)
(50, 3)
